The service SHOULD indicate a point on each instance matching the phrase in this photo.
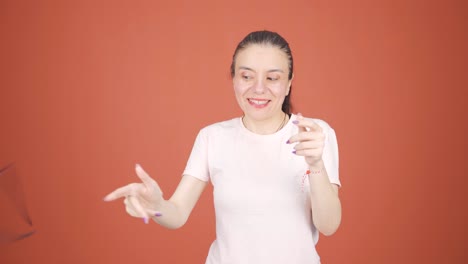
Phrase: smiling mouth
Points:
(258, 103)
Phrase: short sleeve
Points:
(197, 164)
(330, 156)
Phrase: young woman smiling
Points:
(275, 174)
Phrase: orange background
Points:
(89, 88)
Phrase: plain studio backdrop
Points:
(89, 88)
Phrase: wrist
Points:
(317, 166)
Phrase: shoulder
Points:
(222, 126)
(326, 127)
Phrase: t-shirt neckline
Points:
(277, 133)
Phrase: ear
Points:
(289, 84)
(233, 78)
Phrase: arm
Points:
(325, 203)
(177, 209)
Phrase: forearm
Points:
(171, 216)
(326, 205)
(176, 210)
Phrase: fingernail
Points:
(145, 220)
(158, 214)
(287, 142)
(294, 152)
(296, 122)
(137, 165)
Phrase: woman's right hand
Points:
(143, 199)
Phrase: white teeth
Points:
(258, 102)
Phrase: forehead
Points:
(262, 56)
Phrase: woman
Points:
(275, 174)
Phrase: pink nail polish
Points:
(145, 220)
(158, 214)
(294, 152)
(287, 142)
(295, 122)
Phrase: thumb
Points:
(298, 120)
(148, 182)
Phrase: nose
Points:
(259, 86)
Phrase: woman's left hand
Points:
(310, 141)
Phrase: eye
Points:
(246, 77)
(272, 78)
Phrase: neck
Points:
(266, 126)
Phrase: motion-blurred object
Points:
(15, 222)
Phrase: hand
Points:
(310, 141)
(141, 199)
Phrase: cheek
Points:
(240, 87)
(279, 89)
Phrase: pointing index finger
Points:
(120, 192)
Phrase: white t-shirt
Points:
(263, 215)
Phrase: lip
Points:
(258, 102)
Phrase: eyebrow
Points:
(249, 69)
